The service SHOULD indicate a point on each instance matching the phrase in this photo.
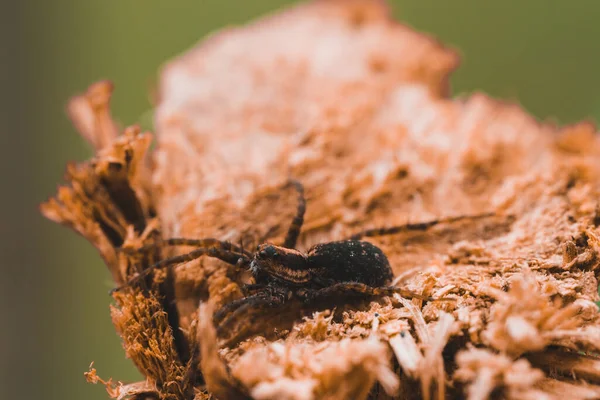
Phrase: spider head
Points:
(283, 264)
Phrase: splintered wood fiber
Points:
(354, 105)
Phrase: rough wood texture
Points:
(337, 95)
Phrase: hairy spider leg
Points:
(192, 243)
(258, 320)
(213, 248)
(421, 226)
(243, 317)
(252, 290)
(252, 287)
(356, 288)
(207, 243)
(226, 309)
(294, 230)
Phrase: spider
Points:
(327, 271)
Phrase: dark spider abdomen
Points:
(350, 261)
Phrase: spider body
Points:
(323, 265)
(327, 271)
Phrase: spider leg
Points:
(214, 248)
(422, 226)
(252, 287)
(233, 305)
(247, 315)
(294, 230)
(360, 289)
(208, 242)
(192, 243)
(261, 292)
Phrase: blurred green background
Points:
(544, 54)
